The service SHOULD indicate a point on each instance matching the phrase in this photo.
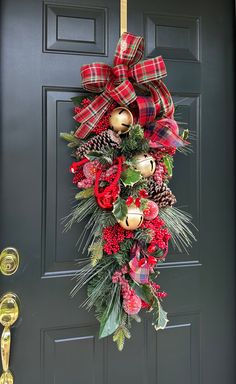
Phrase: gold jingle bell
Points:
(145, 164)
(133, 218)
(120, 120)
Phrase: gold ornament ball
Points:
(145, 164)
(133, 219)
(121, 119)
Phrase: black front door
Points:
(43, 46)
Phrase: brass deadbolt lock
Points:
(9, 261)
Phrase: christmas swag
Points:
(123, 146)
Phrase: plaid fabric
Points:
(139, 274)
(129, 50)
(116, 85)
(91, 115)
(148, 70)
(95, 76)
(147, 110)
(162, 99)
(161, 134)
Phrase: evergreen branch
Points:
(71, 139)
(178, 223)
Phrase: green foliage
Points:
(120, 258)
(143, 235)
(160, 319)
(178, 223)
(112, 316)
(96, 252)
(130, 176)
(144, 292)
(127, 191)
(134, 142)
(120, 209)
(185, 134)
(84, 194)
(77, 100)
(100, 156)
(71, 139)
(83, 209)
(168, 161)
(122, 333)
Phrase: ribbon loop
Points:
(129, 50)
(120, 72)
(118, 85)
(95, 76)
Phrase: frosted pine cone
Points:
(161, 194)
(107, 139)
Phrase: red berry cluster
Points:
(156, 288)
(118, 277)
(103, 123)
(79, 175)
(130, 200)
(160, 236)
(113, 236)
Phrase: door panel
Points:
(43, 46)
(195, 39)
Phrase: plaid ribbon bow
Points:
(118, 85)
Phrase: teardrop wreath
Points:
(123, 145)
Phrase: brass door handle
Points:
(9, 313)
(9, 261)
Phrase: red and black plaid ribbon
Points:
(117, 84)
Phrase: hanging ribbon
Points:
(164, 133)
(119, 83)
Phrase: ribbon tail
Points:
(162, 98)
(164, 137)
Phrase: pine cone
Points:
(107, 139)
(161, 194)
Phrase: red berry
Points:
(151, 248)
(152, 260)
(138, 202)
(143, 193)
(129, 200)
(142, 262)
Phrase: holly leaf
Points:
(120, 209)
(160, 316)
(130, 176)
(85, 194)
(168, 161)
(185, 134)
(111, 318)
